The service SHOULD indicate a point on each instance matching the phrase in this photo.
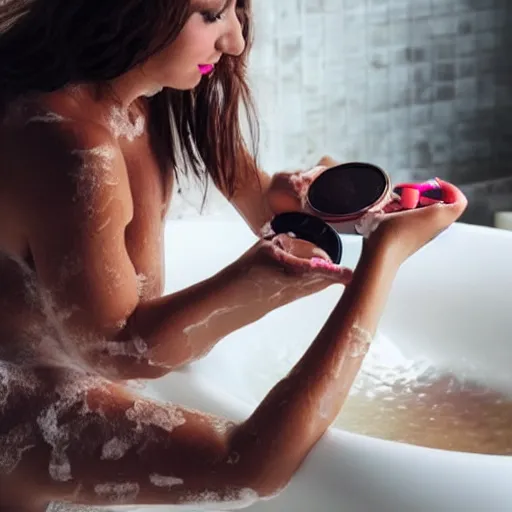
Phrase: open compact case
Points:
(312, 229)
(340, 196)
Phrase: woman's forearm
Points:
(166, 333)
(251, 201)
(300, 408)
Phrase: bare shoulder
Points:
(73, 203)
(60, 144)
(67, 163)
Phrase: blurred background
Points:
(421, 88)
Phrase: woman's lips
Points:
(205, 69)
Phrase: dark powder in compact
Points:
(312, 229)
(347, 189)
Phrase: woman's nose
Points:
(232, 42)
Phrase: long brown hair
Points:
(46, 45)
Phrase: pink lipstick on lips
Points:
(206, 69)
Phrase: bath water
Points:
(412, 402)
(398, 399)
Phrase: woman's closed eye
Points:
(215, 15)
(212, 16)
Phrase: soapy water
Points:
(411, 401)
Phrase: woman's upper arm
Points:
(78, 204)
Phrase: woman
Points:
(103, 105)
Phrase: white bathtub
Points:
(452, 302)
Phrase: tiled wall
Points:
(420, 87)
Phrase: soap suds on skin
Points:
(14, 381)
(43, 338)
(325, 404)
(114, 277)
(311, 280)
(104, 352)
(221, 425)
(145, 413)
(72, 393)
(62, 349)
(359, 342)
(100, 161)
(232, 499)
(105, 153)
(136, 348)
(234, 458)
(118, 493)
(59, 466)
(154, 91)
(307, 281)
(121, 126)
(115, 449)
(368, 223)
(167, 482)
(267, 231)
(204, 324)
(142, 281)
(69, 507)
(12, 447)
(47, 117)
(96, 170)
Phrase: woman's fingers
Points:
(327, 161)
(299, 248)
(453, 195)
(300, 257)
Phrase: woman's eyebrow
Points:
(197, 5)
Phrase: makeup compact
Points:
(338, 198)
(312, 229)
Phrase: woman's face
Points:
(210, 32)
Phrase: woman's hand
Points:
(285, 269)
(406, 232)
(287, 190)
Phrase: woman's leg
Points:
(70, 437)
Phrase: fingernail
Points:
(321, 263)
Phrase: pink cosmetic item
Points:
(414, 195)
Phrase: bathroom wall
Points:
(420, 87)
